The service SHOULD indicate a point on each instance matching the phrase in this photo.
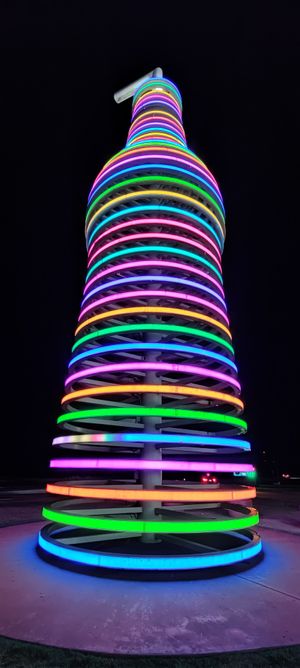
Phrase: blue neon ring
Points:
(113, 176)
(163, 563)
(152, 207)
(154, 346)
(152, 277)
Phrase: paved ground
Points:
(279, 508)
(257, 608)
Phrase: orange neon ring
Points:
(153, 495)
(154, 309)
(172, 389)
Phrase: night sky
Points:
(237, 66)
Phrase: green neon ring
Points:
(154, 327)
(149, 179)
(152, 526)
(155, 412)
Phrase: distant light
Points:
(251, 475)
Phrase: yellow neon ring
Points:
(182, 152)
(141, 193)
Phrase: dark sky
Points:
(237, 66)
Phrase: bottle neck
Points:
(156, 115)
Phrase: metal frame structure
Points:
(152, 394)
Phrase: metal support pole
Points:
(151, 479)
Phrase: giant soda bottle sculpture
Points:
(152, 414)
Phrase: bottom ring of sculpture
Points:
(61, 543)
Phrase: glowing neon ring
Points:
(150, 179)
(135, 155)
(171, 347)
(145, 327)
(149, 562)
(176, 151)
(157, 366)
(160, 121)
(163, 440)
(139, 137)
(167, 310)
(132, 411)
(160, 154)
(142, 236)
(166, 151)
(157, 278)
(154, 263)
(150, 465)
(161, 208)
(146, 103)
(162, 166)
(158, 249)
(170, 389)
(157, 526)
(170, 87)
(168, 194)
(156, 221)
(165, 130)
(174, 495)
(166, 294)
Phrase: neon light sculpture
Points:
(152, 394)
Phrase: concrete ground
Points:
(257, 608)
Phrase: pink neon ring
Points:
(150, 464)
(151, 221)
(157, 366)
(149, 235)
(154, 263)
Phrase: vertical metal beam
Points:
(151, 479)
